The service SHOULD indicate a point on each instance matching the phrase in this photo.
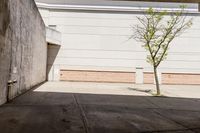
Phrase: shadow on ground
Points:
(51, 112)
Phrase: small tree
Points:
(156, 31)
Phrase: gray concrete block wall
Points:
(23, 48)
(4, 49)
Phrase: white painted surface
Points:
(110, 5)
(139, 75)
(95, 40)
(53, 36)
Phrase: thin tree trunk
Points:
(157, 81)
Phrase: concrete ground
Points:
(65, 107)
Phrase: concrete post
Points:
(139, 75)
(50, 73)
(56, 73)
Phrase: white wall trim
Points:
(107, 8)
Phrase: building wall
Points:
(23, 48)
(99, 40)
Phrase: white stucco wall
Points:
(98, 40)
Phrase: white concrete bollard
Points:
(139, 75)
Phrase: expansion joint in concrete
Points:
(82, 113)
(185, 128)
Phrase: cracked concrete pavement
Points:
(99, 108)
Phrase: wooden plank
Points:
(181, 78)
(97, 76)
